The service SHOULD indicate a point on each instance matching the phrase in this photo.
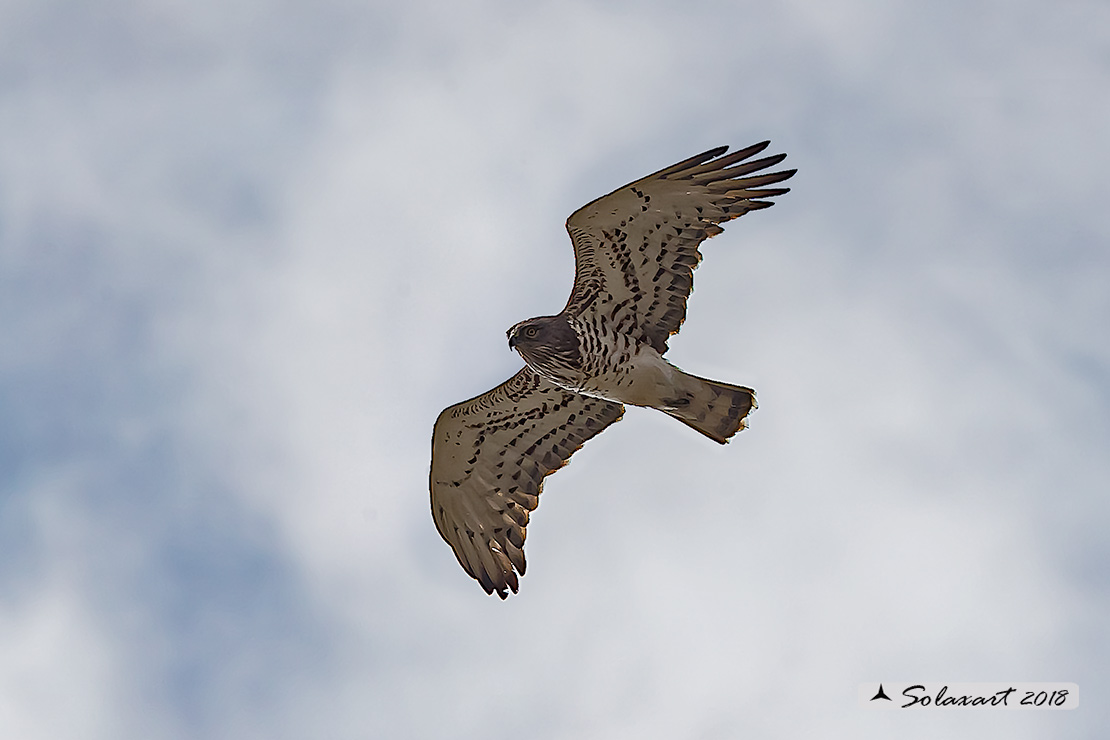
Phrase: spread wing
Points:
(489, 458)
(636, 249)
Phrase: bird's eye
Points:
(531, 331)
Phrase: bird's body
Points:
(635, 252)
(566, 351)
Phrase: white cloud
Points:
(249, 253)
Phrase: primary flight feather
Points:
(635, 252)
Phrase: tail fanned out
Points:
(717, 410)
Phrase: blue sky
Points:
(249, 252)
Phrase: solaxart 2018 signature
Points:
(951, 695)
(916, 695)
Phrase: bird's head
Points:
(528, 333)
(539, 340)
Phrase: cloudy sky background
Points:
(248, 251)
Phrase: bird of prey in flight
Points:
(635, 251)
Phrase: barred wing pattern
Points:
(636, 248)
(489, 458)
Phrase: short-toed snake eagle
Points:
(635, 252)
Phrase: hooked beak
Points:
(512, 340)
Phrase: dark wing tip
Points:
(510, 582)
(773, 160)
(686, 164)
(751, 150)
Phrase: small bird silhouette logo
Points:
(881, 695)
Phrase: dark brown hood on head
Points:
(548, 344)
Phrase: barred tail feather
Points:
(717, 410)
